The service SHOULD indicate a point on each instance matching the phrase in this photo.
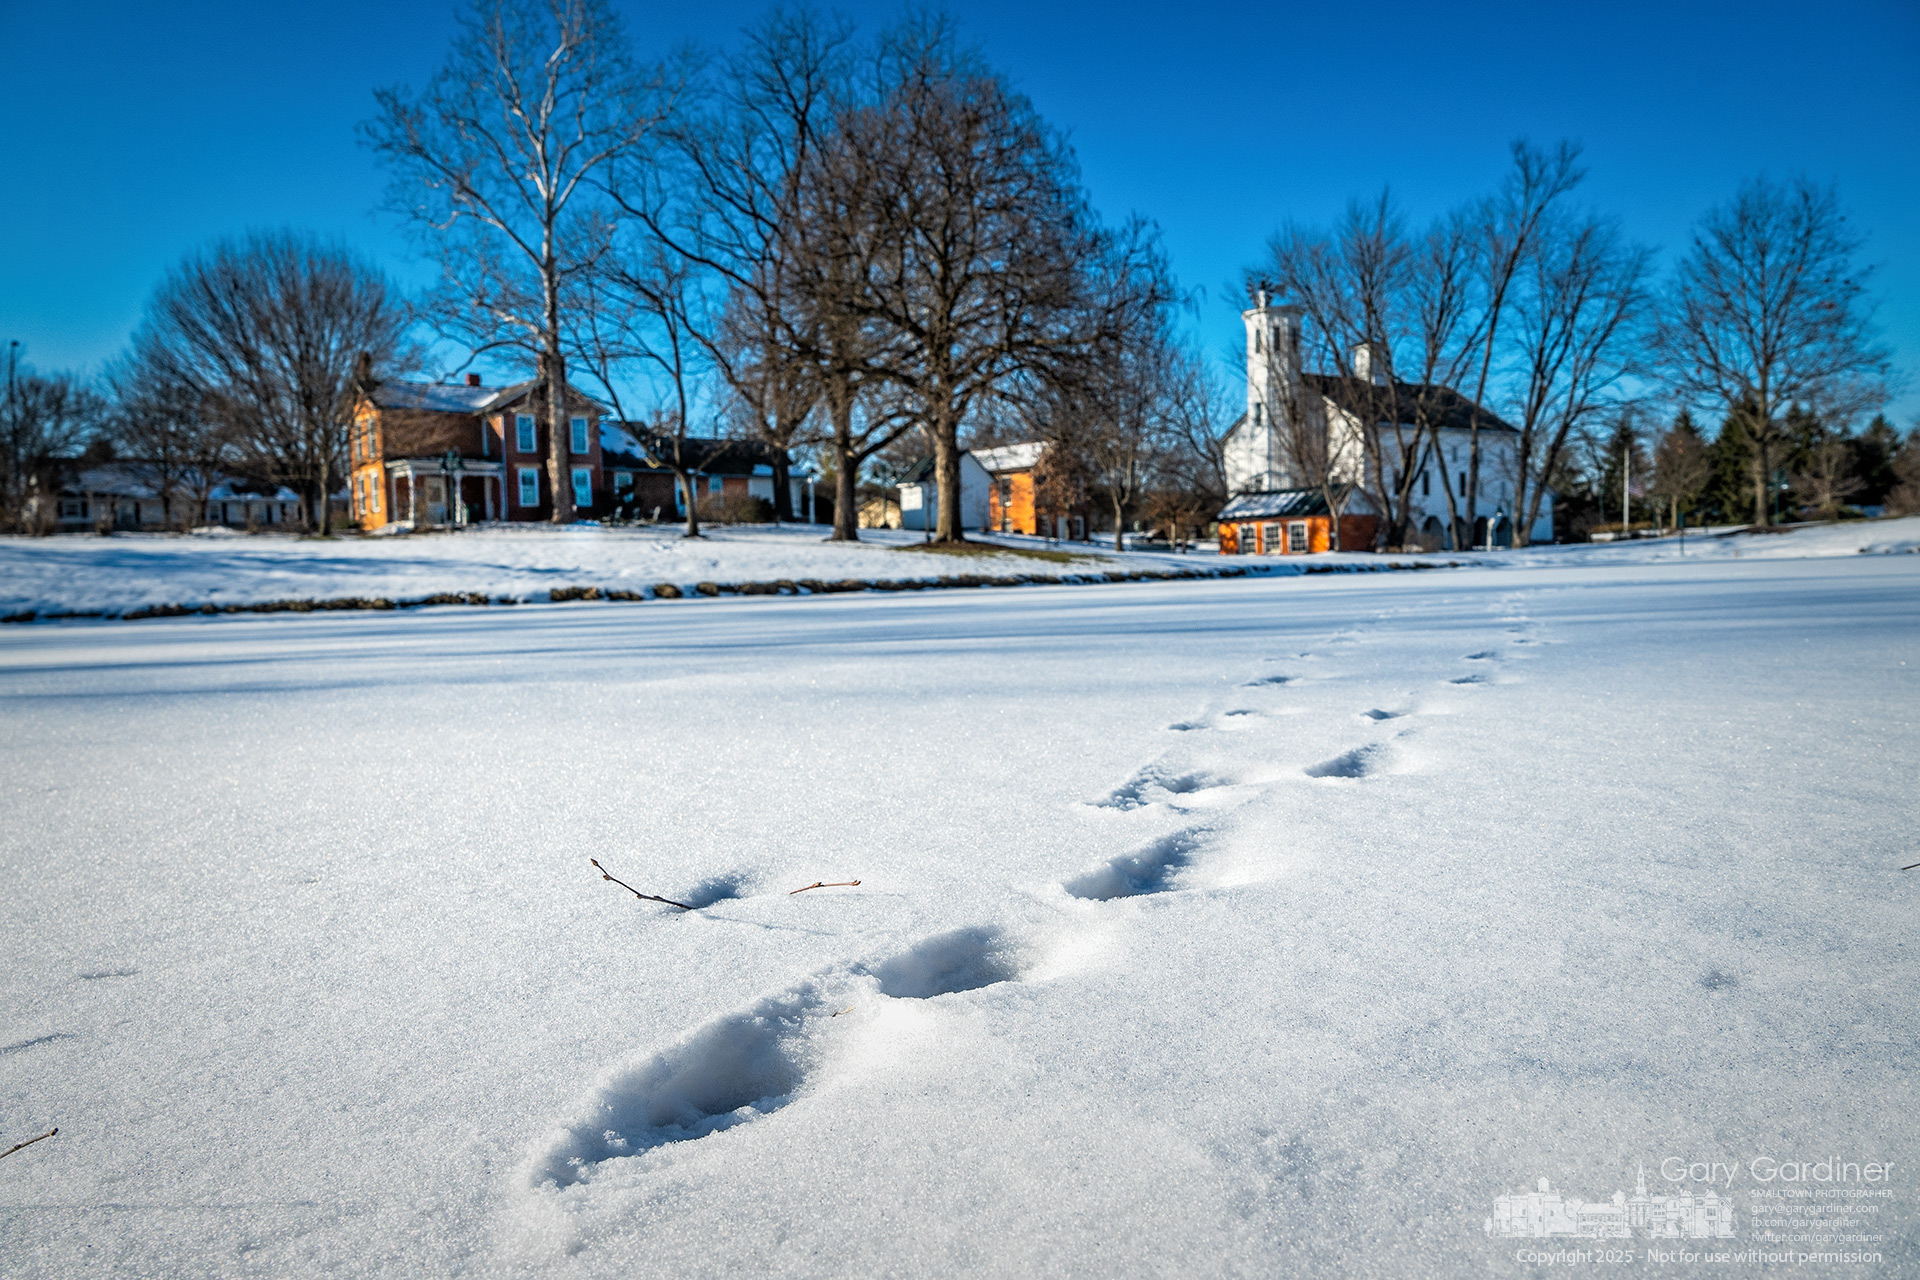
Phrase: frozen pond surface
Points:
(1227, 928)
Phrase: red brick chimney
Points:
(473, 379)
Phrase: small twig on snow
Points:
(848, 1009)
(650, 897)
(1910, 866)
(822, 884)
(29, 1142)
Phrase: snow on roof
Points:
(1011, 457)
(1279, 503)
(433, 396)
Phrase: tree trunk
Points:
(693, 502)
(559, 446)
(946, 471)
(782, 487)
(846, 502)
(326, 505)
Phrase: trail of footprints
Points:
(746, 1065)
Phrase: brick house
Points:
(405, 433)
(721, 469)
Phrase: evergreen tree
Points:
(1873, 453)
(1728, 499)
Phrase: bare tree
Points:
(1682, 469)
(756, 184)
(646, 309)
(1577, 313)
(1509, 226)
(1768, 308)
(260, 338)
(990, 265)
(1349, 288)
(48, 418)
(163, 422)
(1825, 479)
(499, 163)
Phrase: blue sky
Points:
(135, 133)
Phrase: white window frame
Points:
(579, 440)
(527, 477)
(583, 486)
(1299, 540)
(526, 436)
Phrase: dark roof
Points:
(620, 447)
(1279, 504)
(1408, 402)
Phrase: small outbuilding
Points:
(1292, 522)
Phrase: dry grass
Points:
(995, 549)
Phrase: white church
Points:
(1274, 507)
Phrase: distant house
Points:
(1012, 505)
(920, 495)
(128, 495)
(406, 434)
(1258, 465)
(719, 467)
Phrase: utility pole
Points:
(1626, 487)
(13, 421)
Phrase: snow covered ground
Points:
(131, 571)
(128, 572)
(1256, 927)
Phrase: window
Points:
(1463, 484)
(1426, 484)
(579, 444)
(373, 494)
(529, 483)
(73, 507)
(523, 439)
(713, 484)
(1297, 537)
(623, 483)
(582, 484)
(1270, 538)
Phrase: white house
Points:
(920, 494)
(1258, 456)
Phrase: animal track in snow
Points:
(734, 1069)
(964, 960)
(1361, 762)
(743, 1066)
(1380, 713)
(1156, 783)
(1133, 874)
(1483, 656)
(1258, 681)
(1469, 679)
